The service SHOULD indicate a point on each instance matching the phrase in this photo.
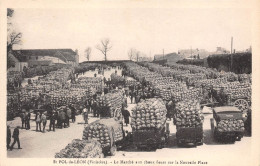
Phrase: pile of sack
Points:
(230, 125)
(187, 94)
(106, 131)
(81, 149)
(150, 113)
(188, 114)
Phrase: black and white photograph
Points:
(129, 85)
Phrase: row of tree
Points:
(105, 46)
(136, 55)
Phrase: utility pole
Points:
(163, 54)
(231, 55)
(231, 44)
(191, 51)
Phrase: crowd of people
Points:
(62, 116)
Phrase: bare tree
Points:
(13, 37)
(137, 55)
(131, 54)
(104, 47)
(88, 52)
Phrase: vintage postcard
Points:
(130, 82)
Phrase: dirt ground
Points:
(45, 145)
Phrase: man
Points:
(38, 121)
(27, 120)
(23, 119)
(137, 98)
(85, 115)
(126, 115)
(170, 109)
(98, 109)
(44, 121)
(73, 113)
(16, 138)
(52, 121)
(68, 116)
(94, 107)
(62, 116)
(8, 137)
(87, 105)
(131, 96)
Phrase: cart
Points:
(189, 135)
(223, 113)
(228, 99)
(151, 138)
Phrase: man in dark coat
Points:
(73, 113)
(62, 116)
(16, 138)
(137, 98)
(52, 121)
(94, 107)
(126, 115)
(27, 120)
(87, 105)
(23, 120)
(8, 137)
(68, 116)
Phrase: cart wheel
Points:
(113, 150)
(241, 104)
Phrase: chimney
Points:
(76, 51)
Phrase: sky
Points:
(148, 30)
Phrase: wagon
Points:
(225, 113)
(229, 99)
(151, 138)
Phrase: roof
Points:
(68, 54)
(39, 63)
(19, 57)
(226, 109)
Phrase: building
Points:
(190, 53)
(44, 57)
(171, 57)
(220, 50)
(20, 61)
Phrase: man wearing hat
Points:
(16, 138)
(8, 137)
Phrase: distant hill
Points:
(171, 58)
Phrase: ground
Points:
(45, 145)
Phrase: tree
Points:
(13, 37)
(88, 52)
(104, 47)
(131, 54)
